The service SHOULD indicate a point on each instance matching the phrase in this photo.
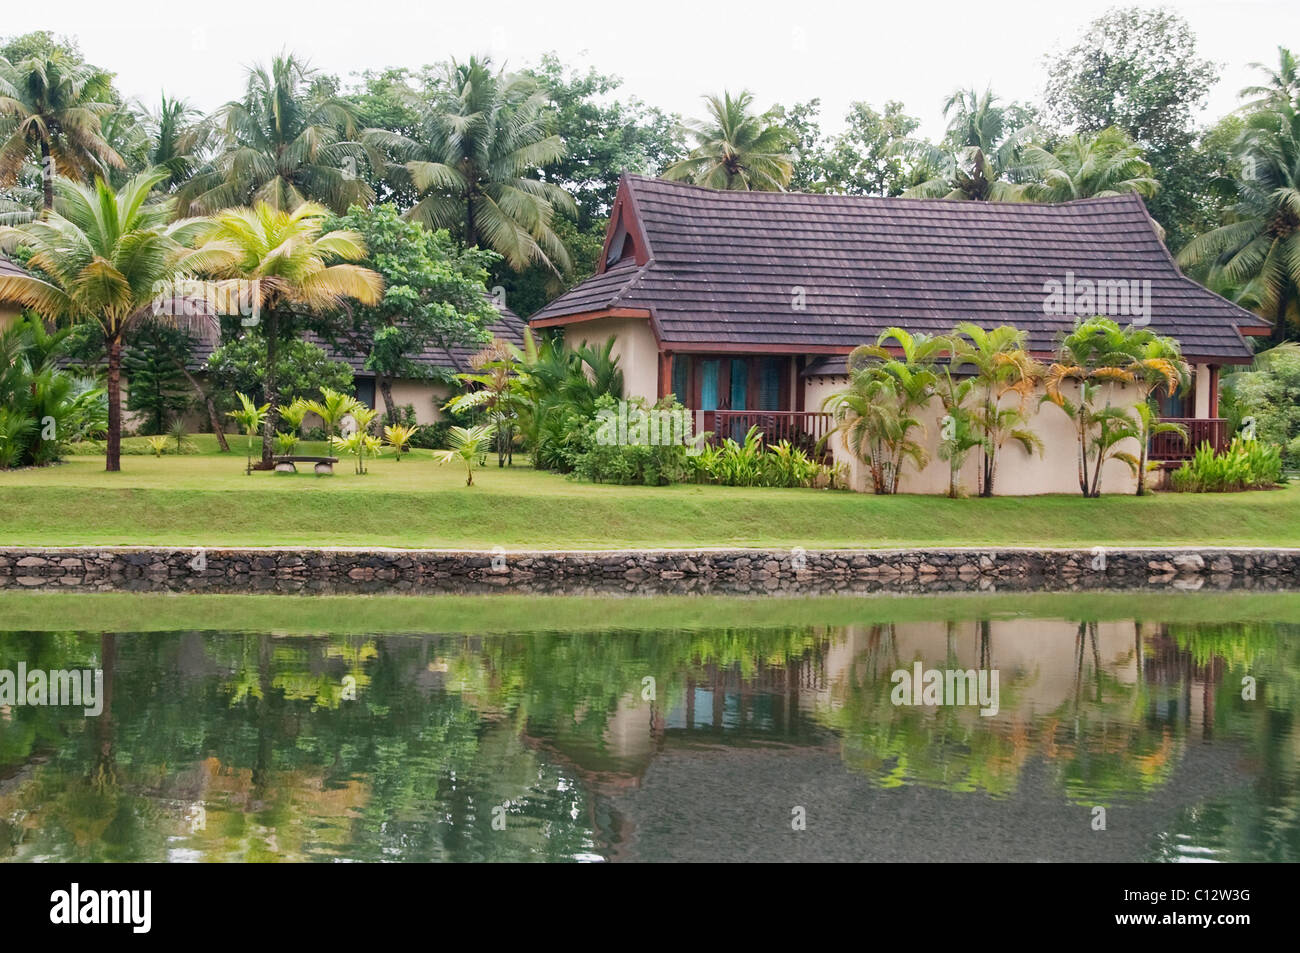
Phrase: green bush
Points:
(589, 457)
(1245, 465)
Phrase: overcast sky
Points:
(668, 52)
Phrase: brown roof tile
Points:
(724, 267)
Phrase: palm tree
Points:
(889, 385)
(250, 418)
(1282, 84)
(1258, 249)
(1156, 362)
(496, 390)
(288, 141)
(977, 157)
(295, 270)
(51, 109)
(1087, 166)
(1097, 353)
(474, 165)
(1002, 366)
(101, 256)
(332, 408)
(737, 149)
(466, 444)
(176, 137)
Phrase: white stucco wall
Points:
(634, 346)
(427, 397)
(1018, 473)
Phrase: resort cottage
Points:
(744, 305)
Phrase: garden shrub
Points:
(1245, 465)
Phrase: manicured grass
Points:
(206, 499)
(507, 613)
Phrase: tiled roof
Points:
(726, 269)
(456, 359)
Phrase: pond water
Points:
(1127, 727)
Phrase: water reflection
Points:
(665, 745)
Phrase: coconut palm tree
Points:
(1003, 366)
(979, 154)
(1258, 249)
(474, 165)
(288, 141)
(177, 136)
(1087, 166)
(1282, 85)
(51, 111)
(737, 148)
(294, 271)
(102, 256)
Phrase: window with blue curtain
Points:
(681, 379)
(769, 384)
(709, 384)
(739, 383)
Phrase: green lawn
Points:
(206, 499)
(509, 613)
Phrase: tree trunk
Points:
(272, 389)
(47, 179)
(211, 407)
(1142, 465)
(113, 455)
(386, 389)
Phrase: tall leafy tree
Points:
(101, 256)
(298, 272)
(1139, 71)
(433, 296)
(52, 105)
(289, 140)
(861, 160)
(475, 164)
(737, 148)
(176, 136)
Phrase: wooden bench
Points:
(285, 464)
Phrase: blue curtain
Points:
(709, 385)
(739, 383)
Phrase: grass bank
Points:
(505, 613)
(206, 499)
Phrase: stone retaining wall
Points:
(284, 569)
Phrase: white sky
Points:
(668, 52)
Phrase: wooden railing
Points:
(801, 427)
(1173, 447)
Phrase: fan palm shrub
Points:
(464, 445)
(250, 418)
(1003, 367)
(398, 436)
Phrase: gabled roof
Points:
(717, 270)
(456, 359)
